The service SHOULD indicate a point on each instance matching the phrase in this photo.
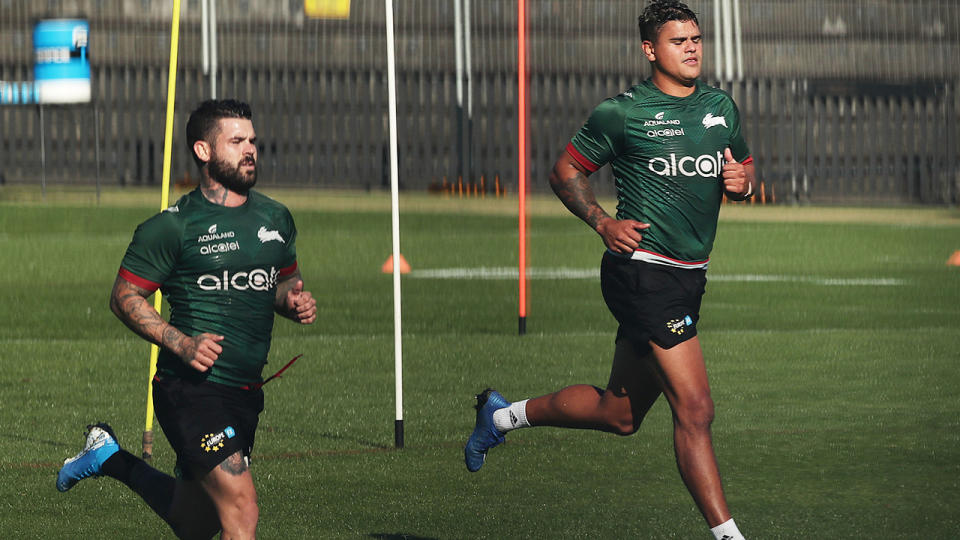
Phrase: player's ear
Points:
(202, 150)
(648, 50)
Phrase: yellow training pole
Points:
(164, 203)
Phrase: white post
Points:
(738, 38)
(458, 47)
(717, 40)
(205, 34)
(466, 58)
(213, 49)
(468, 67)
(727, 40)
(395, 214)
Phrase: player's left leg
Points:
(683, 379)
(230, 487)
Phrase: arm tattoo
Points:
(129, 303)
(235, 465)
(577, 195)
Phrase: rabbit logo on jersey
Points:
(705, 165)
(257, 279)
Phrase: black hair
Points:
(204, 121)
(659, 12)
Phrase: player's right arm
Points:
(596, 143)
(129, 303)
(569, 181)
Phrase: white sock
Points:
(512, 417)
(727, 531)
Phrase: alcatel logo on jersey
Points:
(222, 247)
(668, 132)
(710, 120)
(257, 279)
(705, 165)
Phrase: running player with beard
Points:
(224, 257)
(675, 148)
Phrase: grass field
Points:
(832, 338)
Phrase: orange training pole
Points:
(522, 153)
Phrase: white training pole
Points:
(395, 214)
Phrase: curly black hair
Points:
(202, 124)
(659, 12)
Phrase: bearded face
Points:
(238, 177)
(233, 155)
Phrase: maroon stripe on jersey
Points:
(138, 281)
(587, 164)
(284, 272)
(748, 160)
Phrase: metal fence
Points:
(843, 101)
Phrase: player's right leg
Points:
(99, 446)
(103, 456)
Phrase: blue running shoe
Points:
(485, 436)
(101, 444)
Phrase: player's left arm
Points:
(293, 302)
(739, 179)
(738, 175)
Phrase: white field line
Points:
(510, 273)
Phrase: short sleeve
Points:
(153, 252)
(738, 146)
(289, 264)
(600, 140)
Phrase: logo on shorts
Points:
(213, 442)
(679, 326)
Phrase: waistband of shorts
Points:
(204, 382)
(651, 257)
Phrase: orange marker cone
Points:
(954, 259)
(387, 267)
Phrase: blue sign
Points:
(61, 69)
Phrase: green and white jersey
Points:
(666, 154)
(218, 267)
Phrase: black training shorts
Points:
(652, 302)
(205, 422)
